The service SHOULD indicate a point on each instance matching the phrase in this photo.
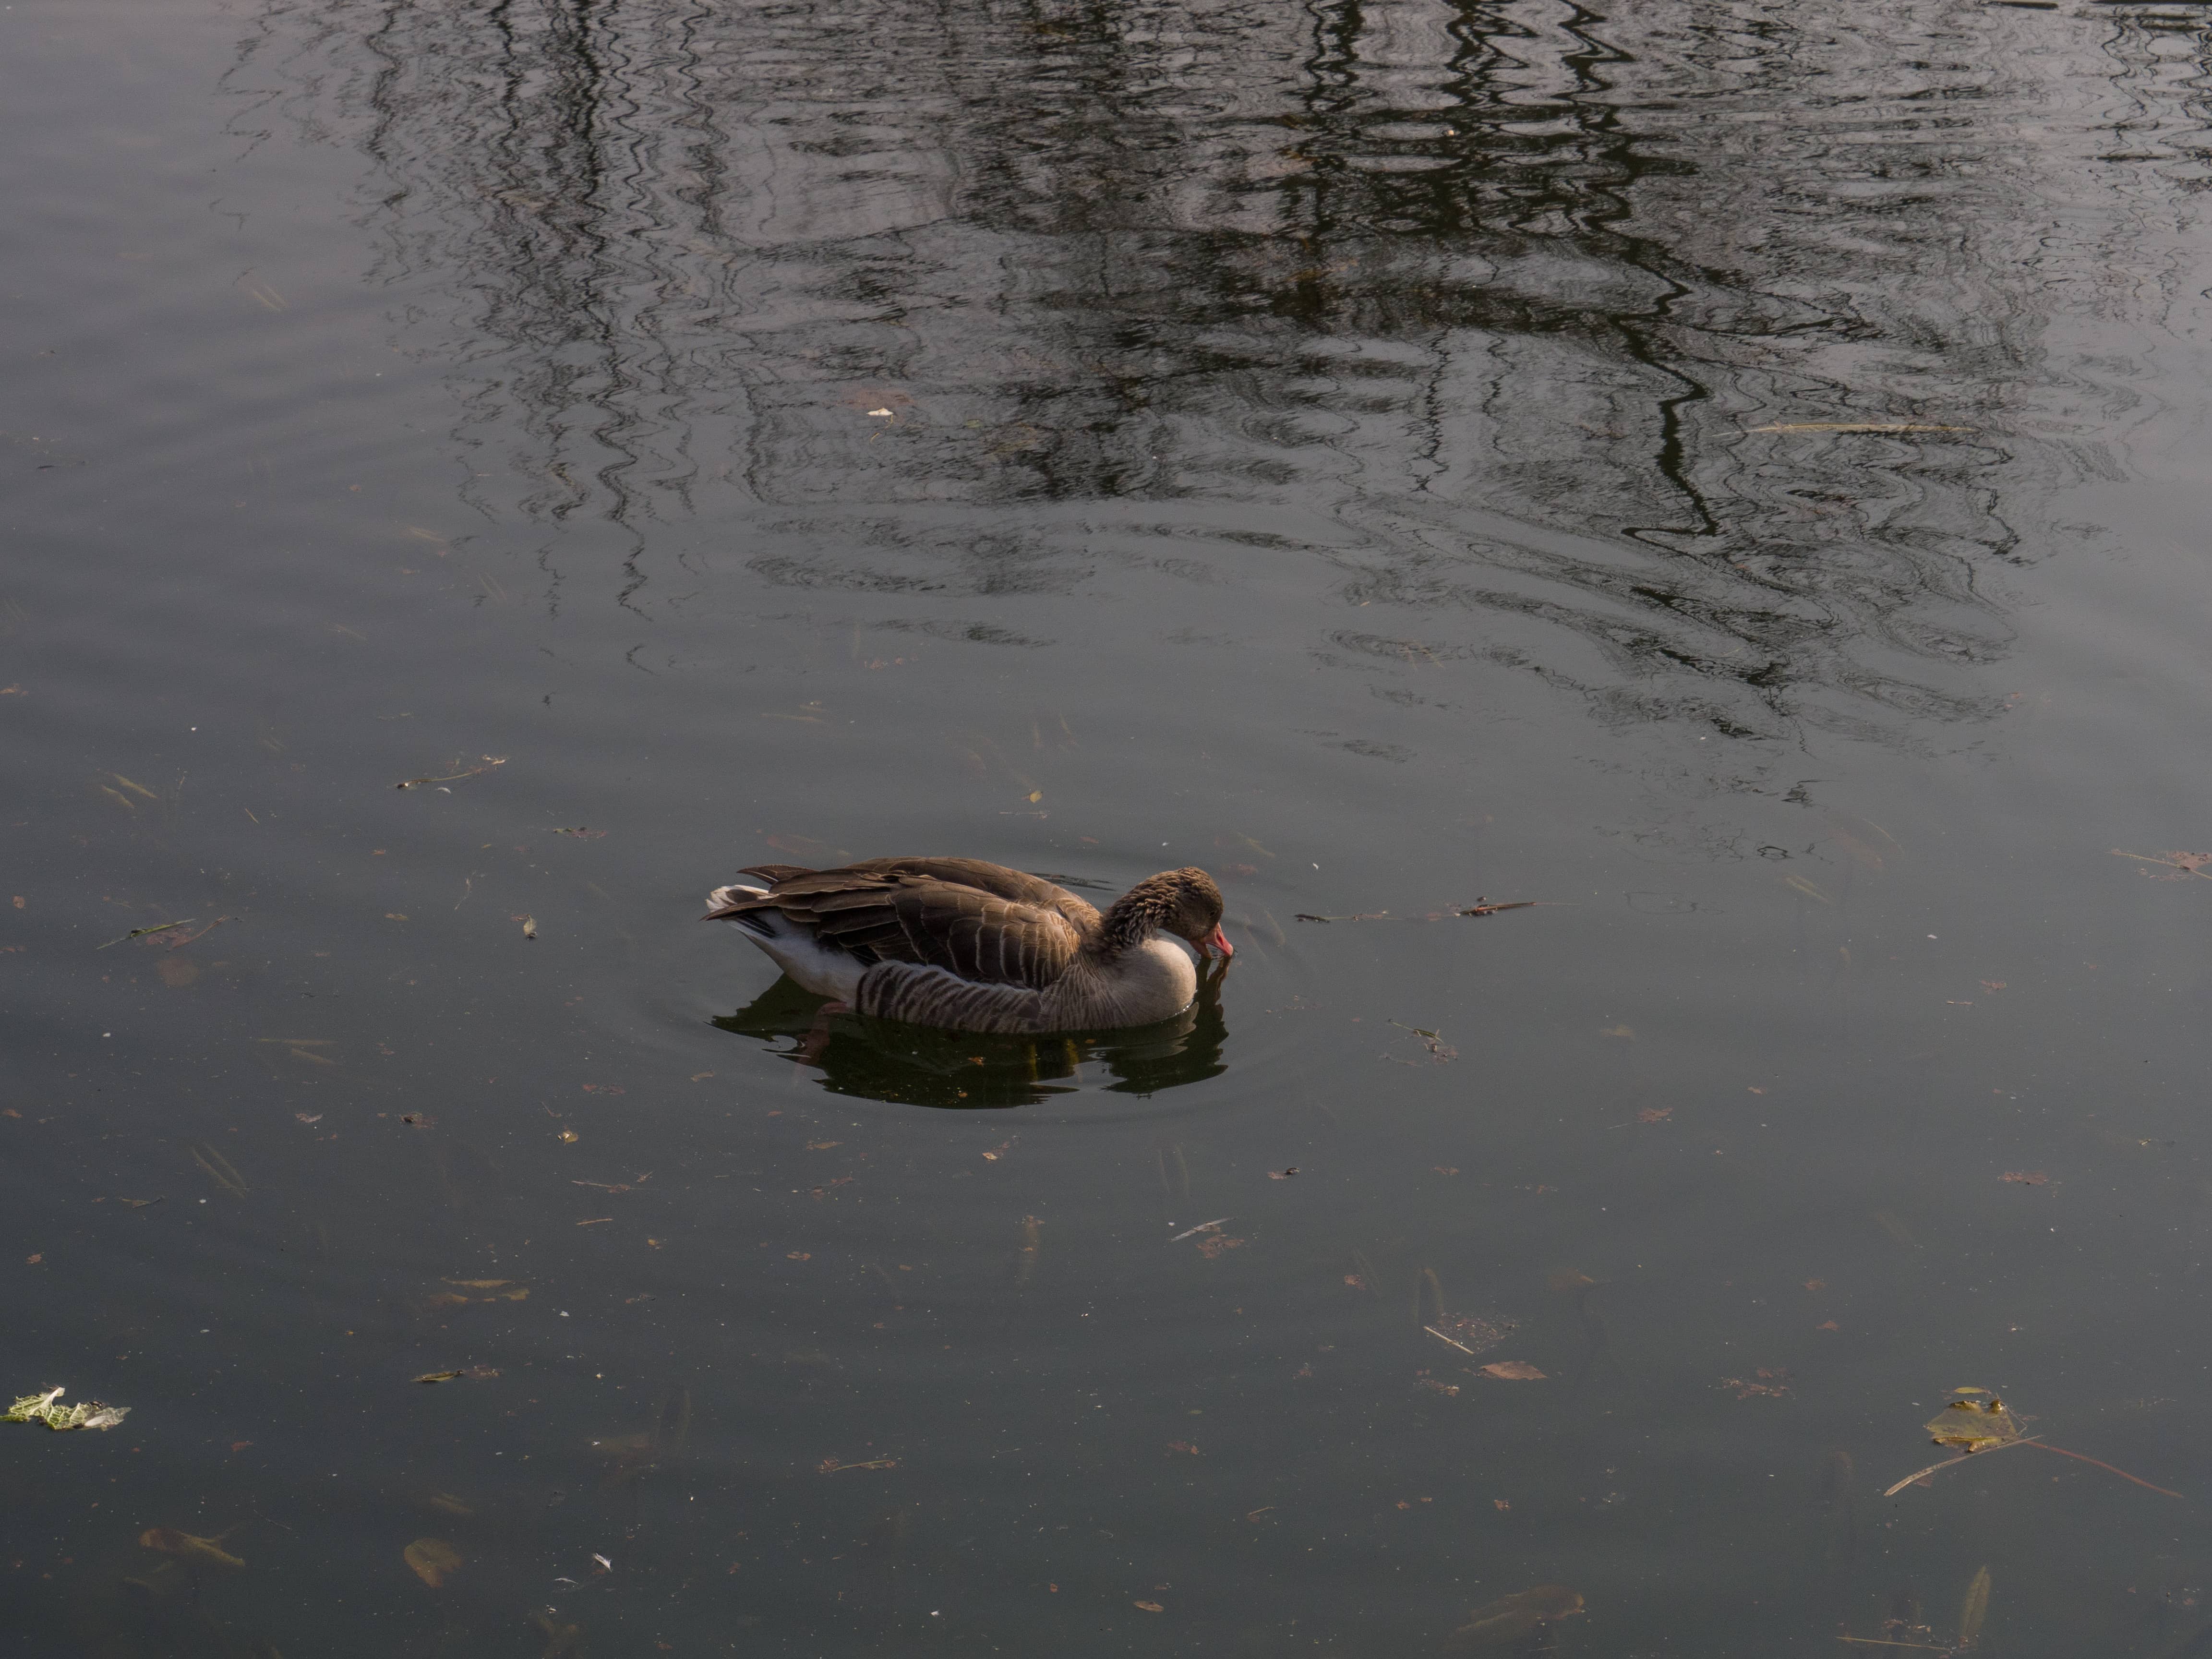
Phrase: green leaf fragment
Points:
(45, 1408)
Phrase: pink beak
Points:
(1219, 942)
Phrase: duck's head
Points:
(1196, 913)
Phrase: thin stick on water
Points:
(1200, 1228)
(140, 933)
(2171, 863)
(2023, 1440)
(1441, 1337)
(2109, 1469)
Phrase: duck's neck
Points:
(1137, 916)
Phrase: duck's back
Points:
(983, 922)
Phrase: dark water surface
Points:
(1389, 454)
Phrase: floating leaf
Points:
(2025, 1177)
(1514, 1370)
(1774, 1384)
(1512, 1617)
(1151, 1607)
(1973, 1424)
(200, 1552)
(432, 1559)
(45, 1408)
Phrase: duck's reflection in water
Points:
(917, 1065)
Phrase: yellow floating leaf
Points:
(1512, 1617)
(1973, 1424)
(201, 1551)
(432, 1559)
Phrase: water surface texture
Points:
(1733, 472)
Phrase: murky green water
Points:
(1734, 473)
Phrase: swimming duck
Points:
(972, 946)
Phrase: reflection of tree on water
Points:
(883, 1059)
(1394, 262)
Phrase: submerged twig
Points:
(1201, 1227)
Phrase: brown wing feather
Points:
(989, 924)
(1016, 886)
(776, 872)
